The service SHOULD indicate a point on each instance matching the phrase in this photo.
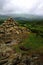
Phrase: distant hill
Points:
(23, 17)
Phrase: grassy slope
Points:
(34, 42)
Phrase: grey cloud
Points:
(10, 9)
(2, 4)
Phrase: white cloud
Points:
(22, 6)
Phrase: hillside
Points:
(19, 44)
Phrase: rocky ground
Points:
(11, 34)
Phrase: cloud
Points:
(21, 6)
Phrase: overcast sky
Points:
(21, 6)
